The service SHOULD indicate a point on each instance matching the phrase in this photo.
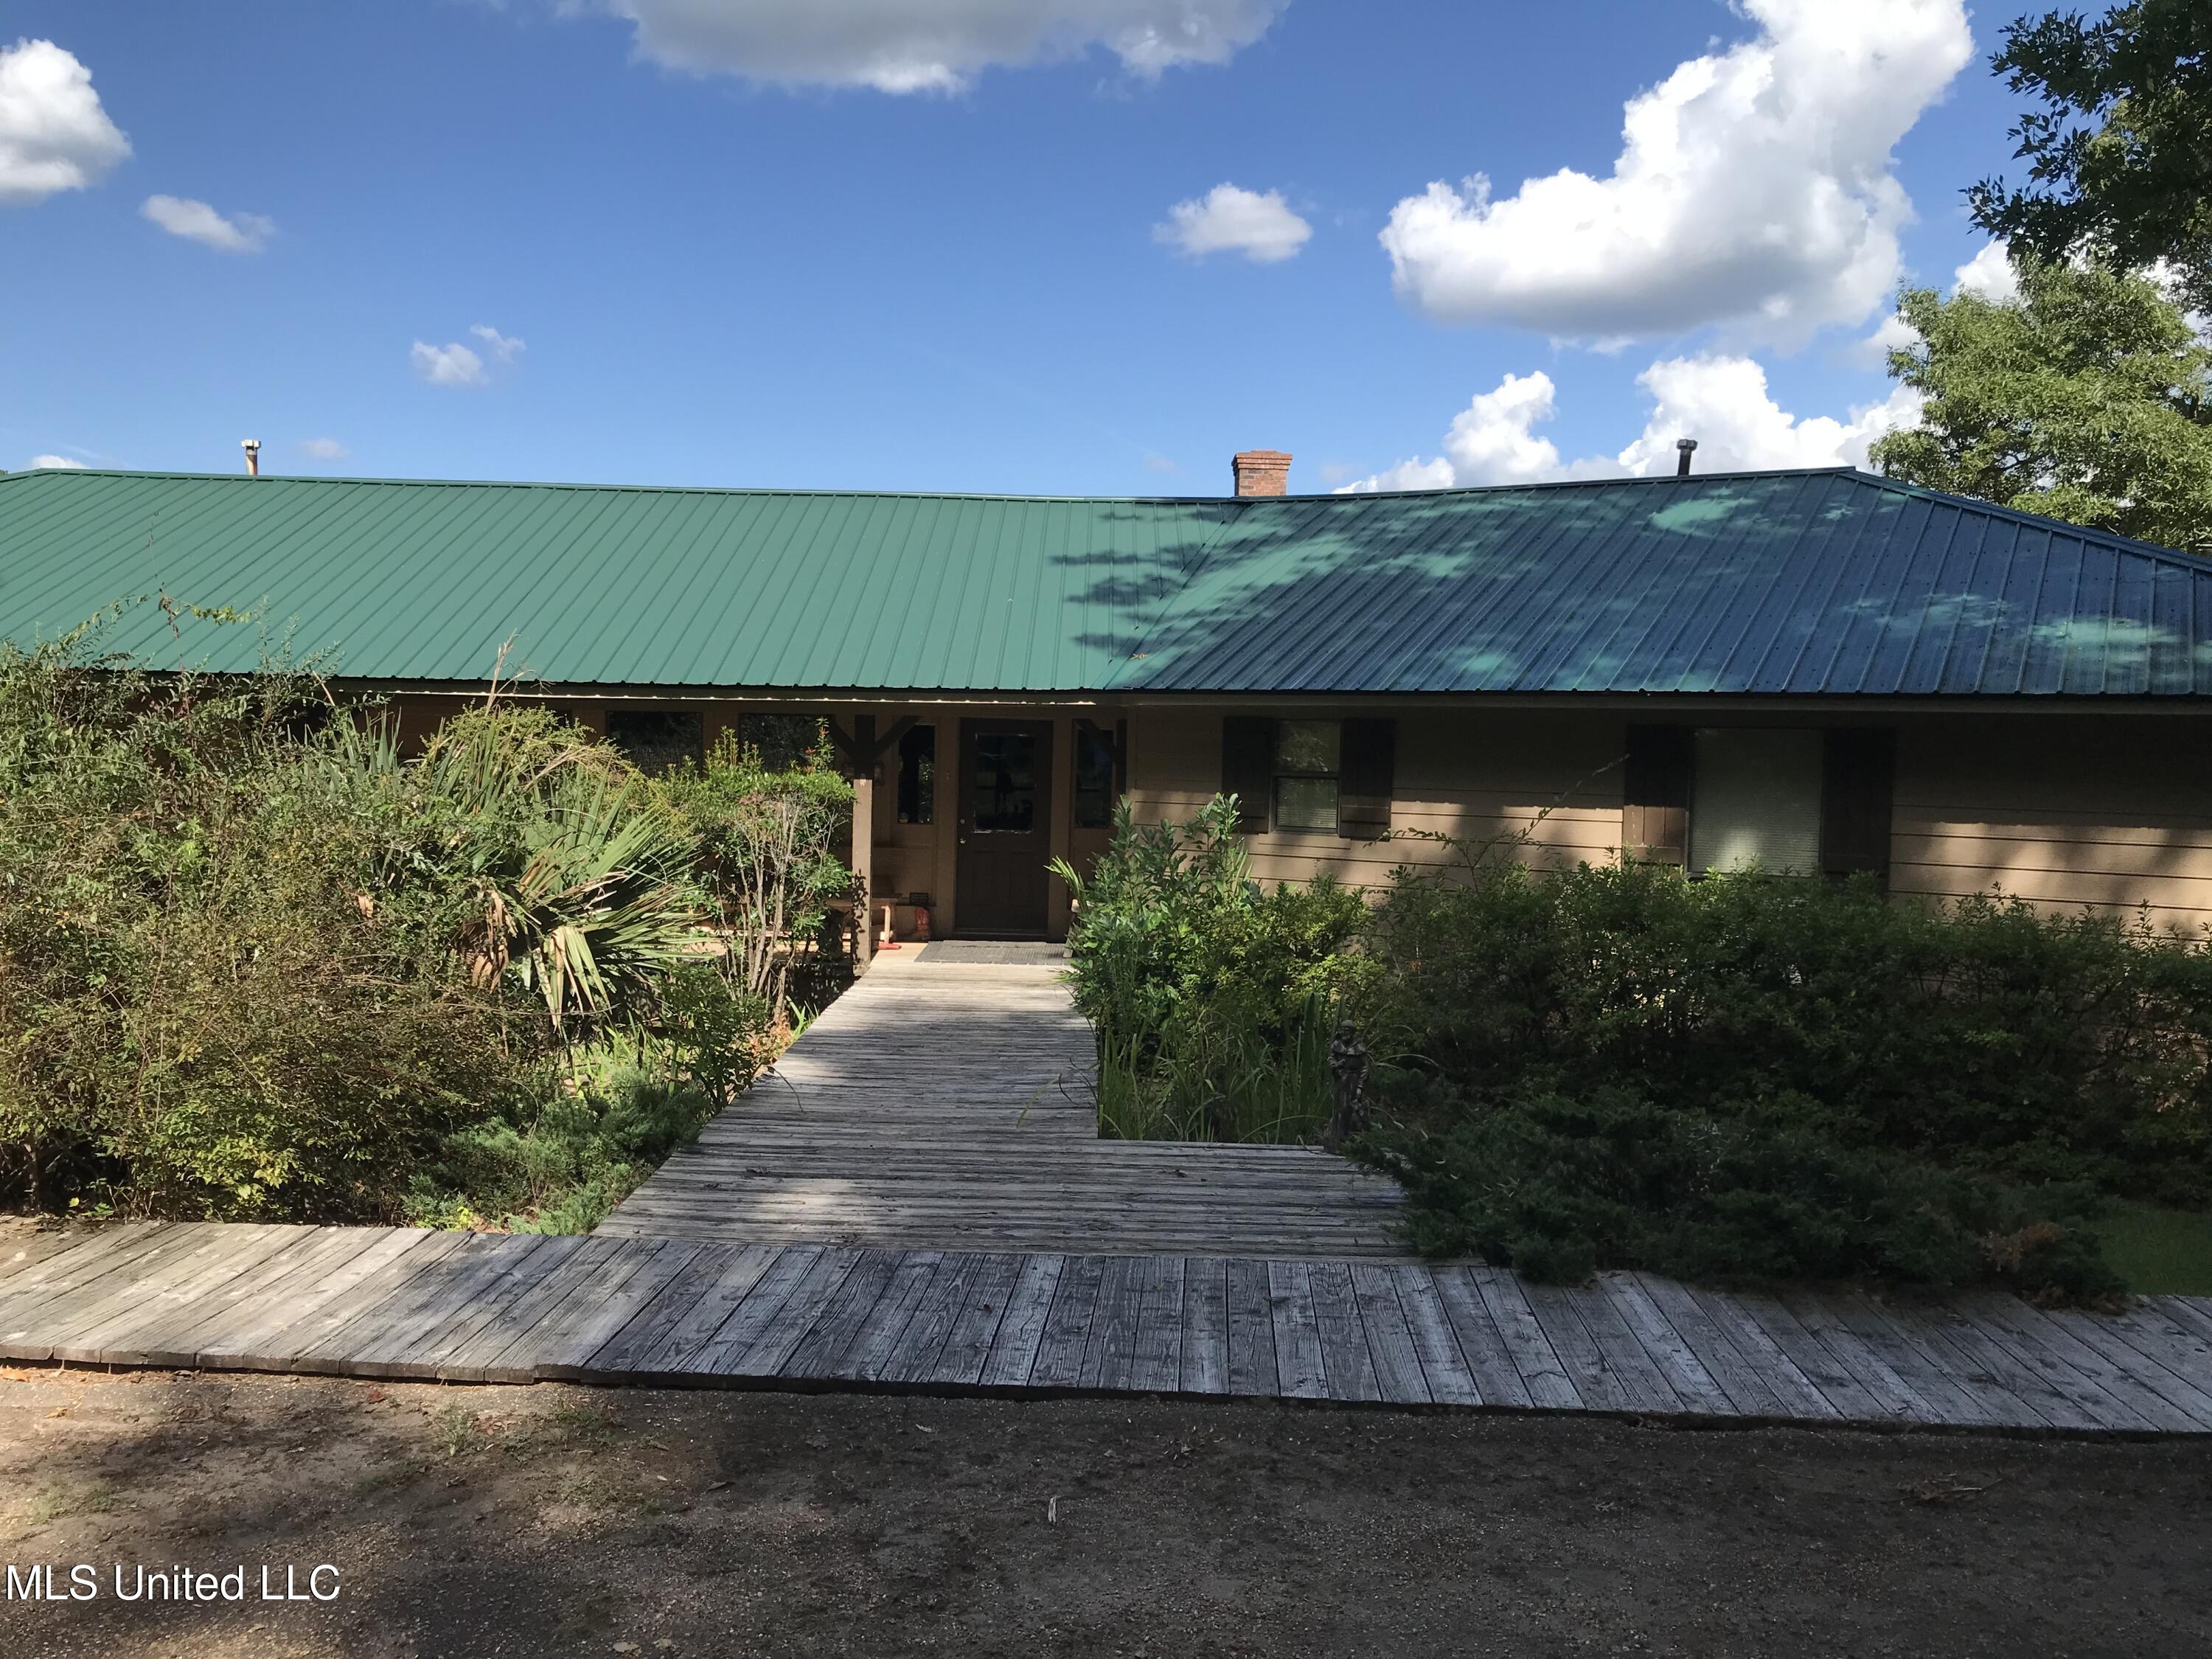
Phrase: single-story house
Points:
(1822, 671)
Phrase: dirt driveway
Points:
(556, 1520)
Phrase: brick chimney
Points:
(1261, 472)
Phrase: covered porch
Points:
(959, 804)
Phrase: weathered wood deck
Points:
(394, 1302)
(944, 1101)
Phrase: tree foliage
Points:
(2088, 400)
(2120, 158)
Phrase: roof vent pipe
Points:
(1684, 448)
(253, 448)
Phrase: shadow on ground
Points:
(556, 1520)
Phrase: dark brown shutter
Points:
(1858, 787)
(1248, 769)
(1366, 769)
(1654, 796)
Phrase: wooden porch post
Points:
(864, 837)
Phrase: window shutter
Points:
(1857, 790)
(1654, 796)
(1248, 769)
(1366, 769)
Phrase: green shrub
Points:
(767, 845)
(254, 964)
(1212, 997)
(1559, 1185)
(560, 1162)
(1749, 1075)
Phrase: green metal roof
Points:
(1820, 582)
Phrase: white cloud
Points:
(1990, 274)
(60, 461)
(455, 364)
(1892, 334)
(323, 449)
(54, 136)
(1721, 401)
(446, 365)
(1228, 220)
(1753, 189)
(503, 347)
(1724, 403)
(195, 222)
(931, 45)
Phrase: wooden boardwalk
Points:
(945, 1103)
(463, 1307)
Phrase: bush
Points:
(1212, 998)
(766, 846)
(1559, 1185)
(253, 964)
(559, 1163)
(1742, 1074)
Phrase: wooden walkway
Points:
(945, 1103)
(394, 1302)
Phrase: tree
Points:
(2090, 399)
(2131, 181)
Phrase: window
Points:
(656, 739)
(1307, 754)
(1755, 798)
(1004, 788)
(1094, 778)
(917, 776)
(785, 742)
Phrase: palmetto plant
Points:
(575, 877)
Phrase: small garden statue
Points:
(1348, 1064)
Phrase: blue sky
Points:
(739, 242)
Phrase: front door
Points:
(1006, 827)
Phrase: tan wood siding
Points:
(2112, 811)
(1480, 776)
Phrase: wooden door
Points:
(1005, 828)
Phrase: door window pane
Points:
(1004, 787)
(917, 776)
(1755, 799)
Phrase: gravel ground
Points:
(556, 1520)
